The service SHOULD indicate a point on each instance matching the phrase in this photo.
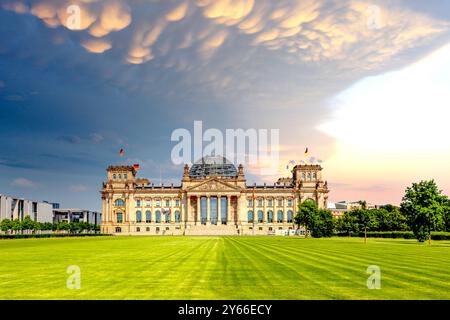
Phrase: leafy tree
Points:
(16, 225)
(6, 225)
(447, 217)
(424, 206)
(323, 225)
(347, 223)
(28, 224)
(306, 215)
(318, 222)
(366, 219)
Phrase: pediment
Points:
(214, 184)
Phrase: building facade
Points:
(13, 208)
(212, 199)
(76, 215)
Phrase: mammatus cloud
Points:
(96, 45)
(178, 13)
(307, 30)
(23, 183)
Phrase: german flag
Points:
(121, 152)
(136, 166)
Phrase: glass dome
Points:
(209, 166)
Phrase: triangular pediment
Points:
(214, 184)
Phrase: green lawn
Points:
(223, 268)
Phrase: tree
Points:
(323, 225)
(307, 213)
(16, 225)
(424, 206)
(28, 224)
(319, 222)
(347, 223)
(365, 219)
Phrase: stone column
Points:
(237, 214)
(208, 213)
(197, 214)
(188, 209)
(284, 211)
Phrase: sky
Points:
(362, 84)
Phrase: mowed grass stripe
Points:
(327, 278)
(288, 277)
(223, 268)
(341, 270)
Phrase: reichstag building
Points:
(213, 198)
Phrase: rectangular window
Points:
(260, 202)
(270, 203)
(158, 203)
(289, 203)
(125, 176)
(223, 210)
(280, 202)
(148, 203)
(203, 208)
(177, 202)
(167, 203)
(119, 217)
(213, 205)
(250, 203)
(138, 203)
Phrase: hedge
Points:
(51, 235)
(396, 234)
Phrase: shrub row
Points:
(396, 234)
(51, 235)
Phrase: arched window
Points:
(250, 216)
(270, 216)
(279, 216)
(290, 217)
(138, 216)
(260, 216)
(120, 177)
(119, 217)
(303, 176)
(119, 203)
(314, 175)
(148, 216)
(177, 216)
(158, 216)
(114, 177)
